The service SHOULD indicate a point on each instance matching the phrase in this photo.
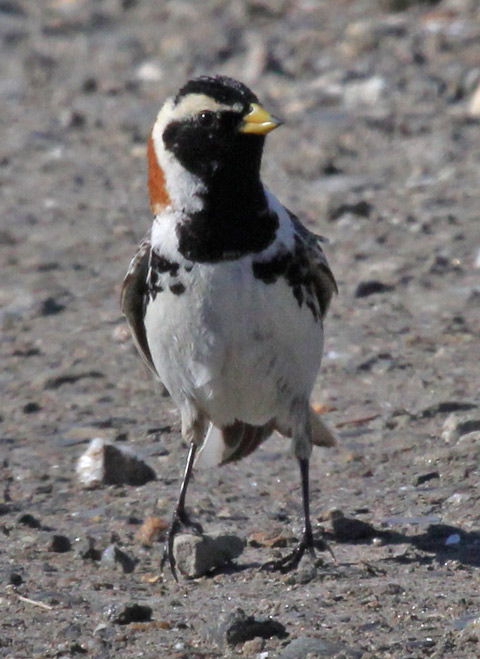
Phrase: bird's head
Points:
(214, 127)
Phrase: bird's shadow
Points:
(438, 541)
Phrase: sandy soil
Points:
(380, 152)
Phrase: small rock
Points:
(89, 85)
(104, 462)
(128, 613)
(237, 627)
(456, 427)
(436, 536)
(152, 530)
(50, 307)
(350, 530)
(86, 549)
(306, 647)
(424, 478)
(253, 647)
(365, 92)
(360, 37)
(113, 555)
(121, 333)
(197, 555)
(15, 579)
(457, 499)
(29, 520)
(446, 407)
(360, 208)
(72, 119)
(393, 588)
(31, 408)
(273, 539)
(305, 572)
(60, 544)
(149, 71)
(372, 286)
(476, 263)
(474, 105)
(453, 539)
(57, 381)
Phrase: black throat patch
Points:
(225, 232)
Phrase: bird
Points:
(226, 295)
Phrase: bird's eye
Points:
(206, 119)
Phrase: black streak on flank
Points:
(296, 270)
(161, 266)
(177, 289)
(270, 271)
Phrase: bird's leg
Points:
(307, 543)
(180, 517)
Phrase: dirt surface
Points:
(380, 152)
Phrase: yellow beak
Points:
(258, 121)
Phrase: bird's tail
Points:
(231, 443)
(240, 439)
(321, 435)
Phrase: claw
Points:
(292, 560)
(179, 519)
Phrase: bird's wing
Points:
(133, 298)
(324, 284)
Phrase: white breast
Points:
(237, 347)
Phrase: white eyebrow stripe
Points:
(192, 104)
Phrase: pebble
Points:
(253, 647)
(15, 579)
(453, 539)
(31, 408)
(436, 536)
(128, 613)
(238, 628)
(349, 530)
(456, 427)
(50, 307)
(474, 105)
(29, 520)
(446, 407)
(365, 92)
(307, 647)
(149, 71)
(59, 544)
(197, 555)
(305, 572)
(104, 462)
(113, 556)
(152, 530)
(85, 548)
(361, 208)
(121, 333)
(424, 478)
(269, 539)
(370, 287)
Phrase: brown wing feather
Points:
(241, 439)
(134, 291)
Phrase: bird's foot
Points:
(180, 519)
(292, 560)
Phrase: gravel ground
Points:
(380, 152)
